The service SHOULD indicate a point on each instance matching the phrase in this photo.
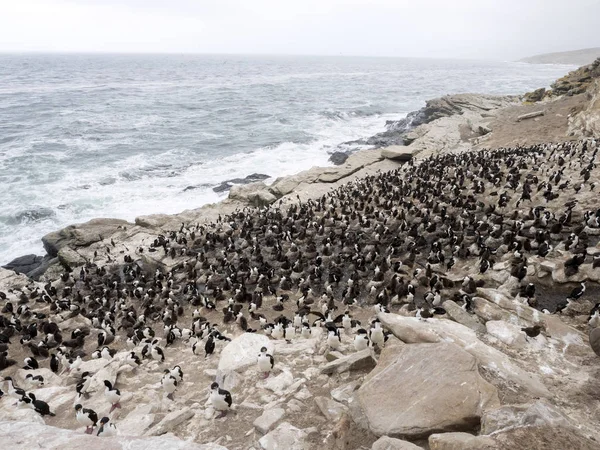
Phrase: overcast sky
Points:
(489, 29)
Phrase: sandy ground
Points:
(552, 127)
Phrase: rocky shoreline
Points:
(491, 369)
(449, 115)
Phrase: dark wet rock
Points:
(24, 264)
(338, 158)
(31, 265)
(535, 96)
(222, 187)
(228, 184)
(34, 215)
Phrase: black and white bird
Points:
(333, 338)
(220, 399)
(83, 385)
(54, 363)
(376, 334)
(594, 317)
(107, 428)
(361, 340)
(31, 363)
(86, 417)
(40, 406)
(113, 395)
(133, 360)
(177, 373)
(34, 381)
(169, 384)
(577, 292)
(265, 362)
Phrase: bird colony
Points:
(249, 310)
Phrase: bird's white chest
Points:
(264, 363)
(361, 342)
(218, 401)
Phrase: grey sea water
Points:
(85, 136)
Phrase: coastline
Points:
(451, 123)
(530, 389)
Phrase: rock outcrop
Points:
(18, 435)
(420, 389)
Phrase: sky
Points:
(473, 29)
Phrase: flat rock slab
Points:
(397, 153)
(170, 421)
(461, 441)
(243, 351)
(388, 443)
(18, 435)
(268, 419)
(362, 360)
(285, 436)
(420, 389)
(331, 409)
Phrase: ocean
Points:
(85, 136)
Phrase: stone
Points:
(170, 421)
(345, 392)
(137, 421)
(405, 396)
(461, 441)
(353, 164)
(543, 438)
(506, 333)
(285, 436)
(19, 435)
(502, 368)
(538, 413)
(388, 443)
(362, 360)
(82, 235)
(331, 409)
(463, 317)
(243, 351)
(338, 158)
(24, 264)
(595, 340)
(397, 153)
(530, 115)
(278, 383)
(69, 258)
(265, 422)
(535, 96)
(254, 194)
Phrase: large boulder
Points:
(254, 194)
(397, 153)
(420, 389)
(504, 369)
(362, 360)
(243, 351)
(82, 235)
(595, 340)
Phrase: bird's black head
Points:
(108, 384)
(263, 350)
(104, 420)
(78, 407)
(214, 386)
